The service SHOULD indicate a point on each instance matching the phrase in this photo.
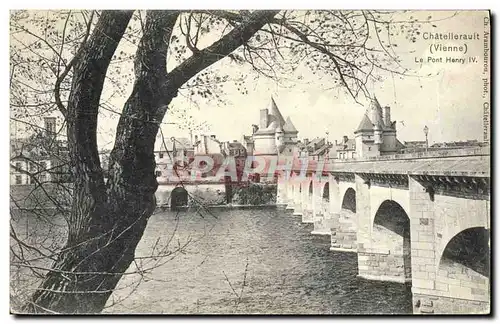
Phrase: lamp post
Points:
(426, 132)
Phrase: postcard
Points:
(284, 162)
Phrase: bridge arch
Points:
(391, 235)
(325, 192)
(310, 194)
(178, 198)
(378, 195)
(452, 221)
(325, 197)
(349, 200)
(469, 249)
(297, 197)
(464, 266)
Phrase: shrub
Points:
(255, 194)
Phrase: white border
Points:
(186, 4)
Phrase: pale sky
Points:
(447, 97)
(449, 103)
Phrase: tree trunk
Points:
(69, 287)
(108, 220)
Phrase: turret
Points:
(263, 118)
(280, 139)
(377, 134)
(376, 112)
(387, 116)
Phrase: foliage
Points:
(255, 194)
(207, 197)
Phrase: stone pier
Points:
(344, 232)
(297, 202)
(307, 202)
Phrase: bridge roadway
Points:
(420, 218)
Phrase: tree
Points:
(107, 219)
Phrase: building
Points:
(212, 148)
(172, 157)
(238, 151)
(234, 148)
(422, 146)
(249, 144)
(458, 144)
(274, 136)
(104, 158)
(207, 144)
(376, 133)
(315, 150)
(345, 149)
(414, 146)
(39, 157)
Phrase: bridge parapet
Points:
(436, 153)
(465, 166)
(471, 162)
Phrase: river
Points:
(247, 261)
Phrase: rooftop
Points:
(341, 145)
(180, 143)
(365, 124)
(289, 127)
(275, 121)
(235, 145)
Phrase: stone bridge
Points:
(411, 218)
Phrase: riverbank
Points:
(227, 206)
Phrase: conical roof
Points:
(289, 127)
(374, 103)
(376, 112)
(365, 124)
(275, 112)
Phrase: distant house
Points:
(40, 157)
(209, 146)
(172, 157)
(104, 156)
(238, 151)
(458, 144)
(315, 150)
(249, 144)
(421, 146)
(234, 148)
(414, 146)
(345, 149)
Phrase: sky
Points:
(449, 101)
(445, 97)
